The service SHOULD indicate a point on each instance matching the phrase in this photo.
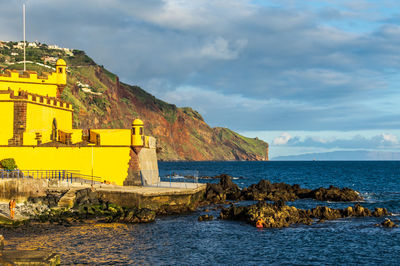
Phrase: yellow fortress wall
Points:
(46, 85)
(6, 121)
(111, 137)
(36, 130)
(110, 163)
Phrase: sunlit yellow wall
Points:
(112, 136)
(109, 163)
(76, 135)
(44, 90)
(6, 121)
(30, 82)
(29, 138)
(39, 117)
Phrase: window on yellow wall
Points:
(141, 131)
(133, 131)
(60, 70)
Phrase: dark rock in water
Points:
(267, 214)
(231, 190)
(279, 215)
(389, 224)
(325, 213)
(333, 194)
(265, 190)
(205, 217)
(379, 212)
(225, 189)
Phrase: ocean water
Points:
(182, 240)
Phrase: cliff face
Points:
(101, 101)
(181, 133)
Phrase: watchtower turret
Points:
(61, 72)
(137, 133)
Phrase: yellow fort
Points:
(36, 130)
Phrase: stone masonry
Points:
(19, 124)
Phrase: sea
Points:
(182, 240)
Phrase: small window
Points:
(60, 70)
(141, 131)
(133, 131)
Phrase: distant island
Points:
(100, 100)
(359, 155)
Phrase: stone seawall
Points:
(149, 166)
(158, 199)
(63, 195)
(21, 189)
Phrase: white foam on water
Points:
(369, 197)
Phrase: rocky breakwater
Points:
(87, 207)
(278, 214)
(108, 204)
(226, 189)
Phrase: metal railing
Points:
(61, 175)
(173, 179)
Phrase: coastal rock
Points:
(389, 224)
(231, 190)
(138, 216)
(146, 215)
(269, 215)
(31, 209)
(265, 190)
(333, 194)
(205, 217)
(87, 196)
(51, 199)
(279, 214)
(225, 189)
(379, 212)
(325, 213)
(214, 193)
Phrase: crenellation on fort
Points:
(35, 98)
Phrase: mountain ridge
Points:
(357, 155)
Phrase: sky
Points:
(305, 76)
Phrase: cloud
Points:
(283, 139)
(389, 138)
(222, 49)
(382, 141)
(249, 65)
